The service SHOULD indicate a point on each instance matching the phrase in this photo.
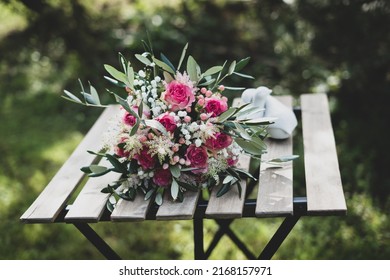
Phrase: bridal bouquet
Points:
(176, 132)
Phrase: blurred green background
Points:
(341, 47)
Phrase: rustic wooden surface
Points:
(54, 197)
(323, 182)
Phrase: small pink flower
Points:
(145, 159)
(232, 162)
(162, 177)
(203, 90)
(167, 121)
(179, 95)
(221, 88)
(215, 106)
(129, 119)
(204, 116)
(187, 119)
(198, 157)
(219, 141)
(120, 151)
(209, 93)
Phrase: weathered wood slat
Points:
(171, 210)
(230, 205)
(323, 182)
(91, 202)
(135, 210)
(275, 193)
(53, 198)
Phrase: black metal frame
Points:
(300, 209)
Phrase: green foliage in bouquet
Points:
(175, 131)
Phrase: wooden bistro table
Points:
(275, 191)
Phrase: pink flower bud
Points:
(175, 149)
(165, 166)
(203, 116)
(182, 140)
(176, 158)
(203, 90)
(221, 88)
(209, 93)
(142, 138)
(187, 119)
(188, 109)
(201, 102)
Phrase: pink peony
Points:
(167, 121)
(215, 106)
(178, 95)
(145, 159)
(129, 119)
(162, 177)
(219, 141)
(198, 157)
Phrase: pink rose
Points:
(162, 177)
(215, 106)
(219, 141)
(145, 159)
(198, 157)
(178, 95)
(119, 150)
(129, 119)
(167, 121)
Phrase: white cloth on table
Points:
(286, 120)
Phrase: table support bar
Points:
(97, 241)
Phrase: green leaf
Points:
(234, 88)
(227, 114)
(149, 194)
(123, 62)
(167, 62)
(244, 173)
(97, 168)
(188, 186)
(159, 198)
(248, 111)
(117, 74)
(174, 189)
(115, 82)
(242, 131)
(242, 63)
(118, 166)
(163, 65)
(167, 77)
(72, 97)
(192, 69)
(207, 82)
(110, 206)
(143, 59)
(134, 129)
(157, 125)
(213, 70)
(227, 179)
(249, 146)
(175, 170)
(283, 159)
(183, 54)
(94, 95)
(232, 67)
(244, 75)
(224, 189)
(130, 76)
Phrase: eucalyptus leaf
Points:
(232, 67)
(224, 189)
(207, 82)
(183, 54)
(167, 77)
(130, 76)
(115, 82)
(143, 59)
(188, 186)
(249, 146)
(120, 76)
(227, 179)
(283, 159)
(213, 70)
(118, 166)
(192, 69)
(167, 62)
(72, 97)
(244, 75)
(123, 62)
(163, 65)
(234, 88)
(242, 63)
(94, 94)
(149, 194)
(175, 170)
(159, 198)
(174, 189)
(157, 125)
(227, 114)
(242, 131)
